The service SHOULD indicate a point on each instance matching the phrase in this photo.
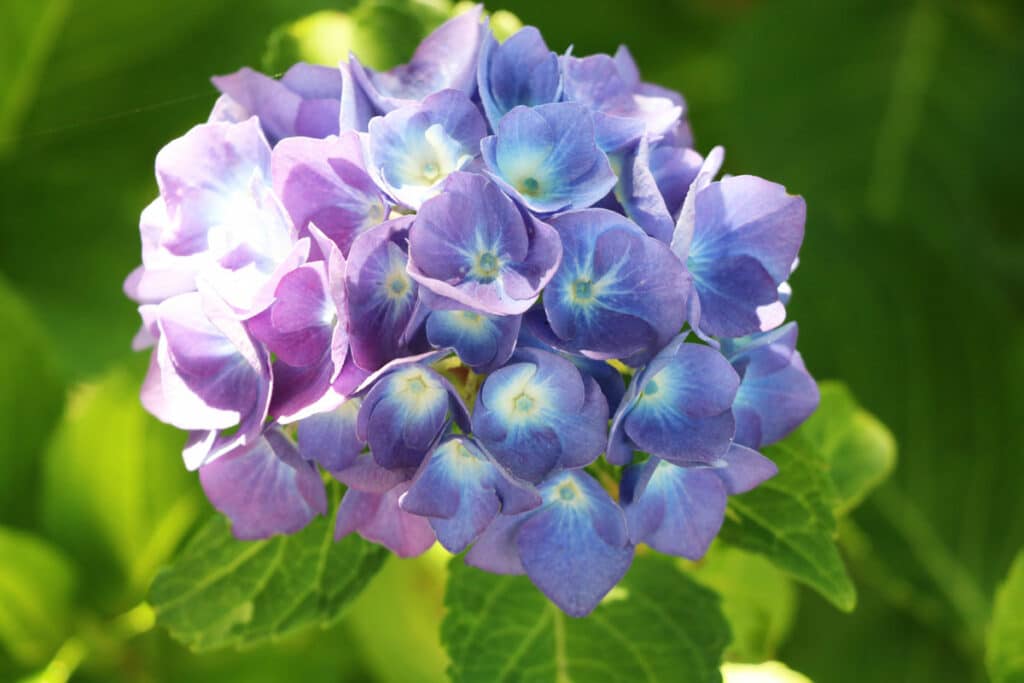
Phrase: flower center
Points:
(651, 388)
(582, 290)
(487, 266)
(567, 491)
(416, 385)
(523, 403)
(397, 285)
(430, 171)
(529, 186)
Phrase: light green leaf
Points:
(789, 520)
(1005, 646)
(657, 626)
(28, 33)
(381, 32)
(222, 592)
(413, 588)
(31, 395)
(758, 600)
(36, 590)
(860, 450)
(116, 494)
(767, 672)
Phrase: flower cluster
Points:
(495, 292)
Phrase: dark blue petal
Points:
(575, 548)
(547, 156)
(483, 342)
(520, 71)
(675, 510)
(461, 490)
(473, 246)
(539, 413)
(777, 393)
(405, 413)
(678, 408)
(618, 292)
(381, 295)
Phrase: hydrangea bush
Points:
(496, 292)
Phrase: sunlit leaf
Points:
(222, 592)
(116, 494)
(413, 588)
(36, 589)
(758, 600)
(1005, 656)
(657, 626)
(860, 450)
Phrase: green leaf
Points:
(28, 33)
(31, 396)
(826, 468)
(222, 592)
(1005, 655)
(36, 590)
(859, 449)
(657, 626)
(116, 494)
(758, 600)
(789, 520)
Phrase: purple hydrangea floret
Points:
(493, 298)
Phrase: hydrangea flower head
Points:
(495, 294)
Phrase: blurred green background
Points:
(900, 122)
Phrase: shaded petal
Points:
(325, 182)
(777, 393)
(405, 413)
(742, 469)
(330, 438)
(304, 102)
(483, 342)
(381, 295)
(378, 518)
(206, 373)
(266, 489)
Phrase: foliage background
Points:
(898, 121)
